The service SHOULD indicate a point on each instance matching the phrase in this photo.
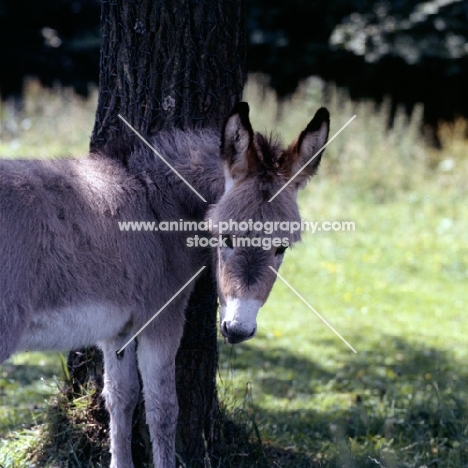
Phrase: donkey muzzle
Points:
(238, 319)
(236, 332)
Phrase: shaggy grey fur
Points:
(69, 277)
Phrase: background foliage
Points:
(412, 50)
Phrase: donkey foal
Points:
(70, 277)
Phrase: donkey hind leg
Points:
(156, 361)
(121, 393)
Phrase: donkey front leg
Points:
(121, 392)
(156, 360)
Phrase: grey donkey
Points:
(71, 277)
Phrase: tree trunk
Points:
(166, 64)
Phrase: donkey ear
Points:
(236, 138)
(310, 141)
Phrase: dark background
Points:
(410, 50)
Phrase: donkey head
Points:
(253, 229)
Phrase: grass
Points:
(50, 123)
(404, 387)
(395, 288)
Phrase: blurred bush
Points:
(412, 50)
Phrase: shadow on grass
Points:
(398, 404)
(395, 405)
(281, 371)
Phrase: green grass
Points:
(27, 381)
(395, 288)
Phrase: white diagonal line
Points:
(161, 309)
(323, 319)
(312, 158)
(160, 157)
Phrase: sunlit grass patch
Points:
(15, 449)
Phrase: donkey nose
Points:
(236, 332)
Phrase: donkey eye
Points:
(228, 241)
(281, 250)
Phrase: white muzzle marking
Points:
(239, 319)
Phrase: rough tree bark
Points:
(166, 64)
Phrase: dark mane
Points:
(273, 161)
